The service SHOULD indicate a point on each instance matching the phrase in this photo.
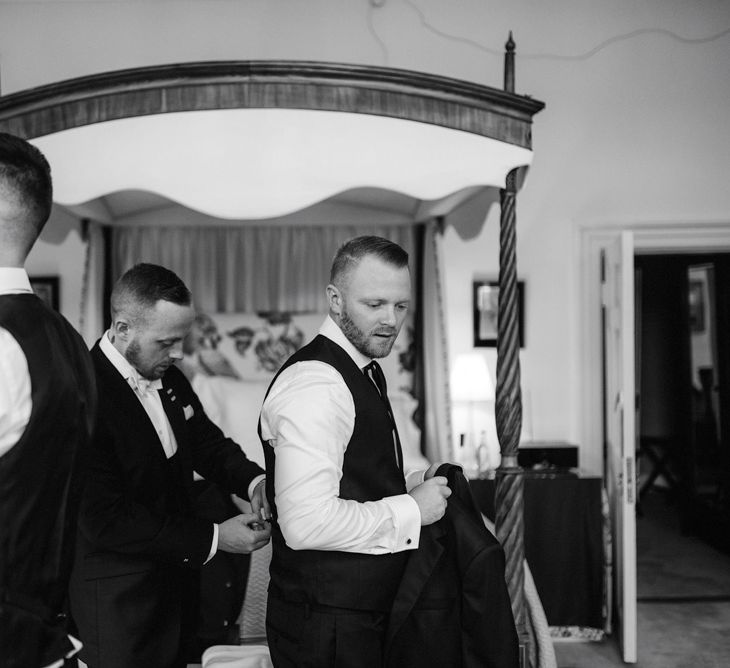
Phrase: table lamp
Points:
(472, 395)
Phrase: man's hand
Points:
(237, 535)
(259, 502)
(431, 498)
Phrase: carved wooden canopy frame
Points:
(403, 94)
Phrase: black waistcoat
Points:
(370, 473)
(40, 480)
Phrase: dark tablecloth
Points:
(563, 535)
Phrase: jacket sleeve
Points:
(488, 632)
(216, 457)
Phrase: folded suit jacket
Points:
(453, 607)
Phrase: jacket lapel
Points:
(174, 411)
(421, 565)
(172, 403)
(125, 402)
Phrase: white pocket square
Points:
(189, 412)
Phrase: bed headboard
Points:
(232, 357)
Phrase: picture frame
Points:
(485, 300)
(47, 288)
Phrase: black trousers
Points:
(303, 636)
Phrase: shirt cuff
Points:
(253, 483)
(406, 520)
(214, 546)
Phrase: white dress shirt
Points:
(15, 398)
(15, 389)
(308, 418)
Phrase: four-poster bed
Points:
(434, 139)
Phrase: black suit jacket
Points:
(139, 542)
(453, 608)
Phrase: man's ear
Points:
(334, 299)
(121, 329)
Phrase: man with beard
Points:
(134, 585)
(345, 514)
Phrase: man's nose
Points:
(388, 316)
(176, 352)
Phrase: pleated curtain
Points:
(247, 269)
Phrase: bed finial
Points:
(509, 64)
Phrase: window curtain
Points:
(435, 403)
(249, 269)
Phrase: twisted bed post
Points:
(508, 404)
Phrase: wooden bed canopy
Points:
(500, 115)
(412, 96)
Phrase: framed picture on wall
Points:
(46, 287)
(486, 312)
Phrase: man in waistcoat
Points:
(345, 514)
(135, 585)
(47, 406)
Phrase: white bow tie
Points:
(143, 385)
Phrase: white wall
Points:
(61, 252)
(634, 131)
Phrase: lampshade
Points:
(470, 379)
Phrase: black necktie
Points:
(375, 373)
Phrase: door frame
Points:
(649, 238)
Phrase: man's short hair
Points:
(25, 182)
(350, 254)
(142, 286)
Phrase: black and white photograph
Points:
(266, 400)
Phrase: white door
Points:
(620, 429)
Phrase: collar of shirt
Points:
(128, 372)
(332, 331)
(14, 280)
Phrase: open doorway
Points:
(683, 425)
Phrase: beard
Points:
(365, 341)
(133, 355)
